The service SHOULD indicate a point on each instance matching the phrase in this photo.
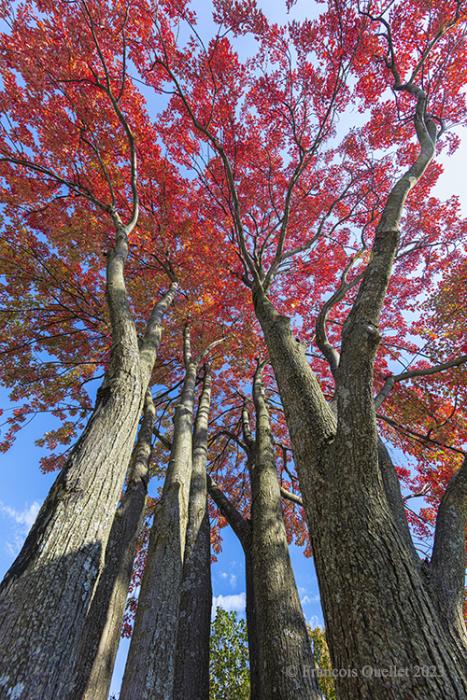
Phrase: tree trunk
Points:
(46, 594)
(149, 670)
(378, 609)
(447, 568)
(252, 627)
(393, 493)
(194, 623)
(285, 656)
(101, 635)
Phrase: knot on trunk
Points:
(103, 395)
(374, 336)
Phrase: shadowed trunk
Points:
(101, 636)
(285, 656)
(46, 594)
(194, 623)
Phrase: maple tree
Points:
(66, 136)
(247, 192)
(278, 113)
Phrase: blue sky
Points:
(23, 487)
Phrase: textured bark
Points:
(394, 496)
(149, 671)
(101, 635)
(47, 592)
(378, 610)
(447, 570)
(242, 528)
(377, 603)
(285, 655)
(194, 623)
(252, 626)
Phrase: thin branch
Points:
(422, 372)
(291, 496)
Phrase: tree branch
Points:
(153, 332)
(291, 496)
(422, 372)
(165, 440)
(330, 353)
(240, 525)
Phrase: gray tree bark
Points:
(281, 660)
(150, 667)
(381, 620)
(194, 621)
(47, 593)
(101, 634)
(447, 567)
(285, 657)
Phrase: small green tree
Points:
(228, 665)
(323, 663)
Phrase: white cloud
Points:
(24, 519)
(13, 546)
(235, 602)
(306, 599)
(231, 578)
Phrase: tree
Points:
(282, 634)
(274, 615)
(323, 662)
(56, 153)
(101, 635)
(194, 619)
(347, 487)
(333, 240)
(228, 664)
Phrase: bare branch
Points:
(163, 438)
(291, 496)
(422, 372)
(329, 352)
(240, 525)
(419, 437)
